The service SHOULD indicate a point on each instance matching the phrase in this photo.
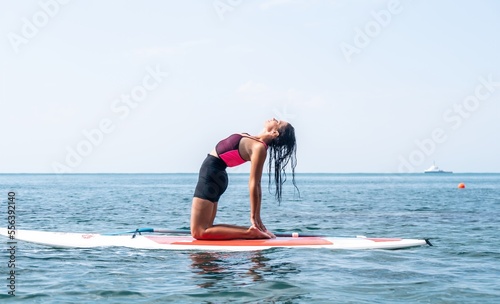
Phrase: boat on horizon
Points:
(435, 169)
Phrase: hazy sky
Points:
(152, 85)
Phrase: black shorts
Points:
(212, 180)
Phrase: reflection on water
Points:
(237, 268)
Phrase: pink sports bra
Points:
(228, 149)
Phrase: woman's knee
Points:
(202, 216)
(197, 232)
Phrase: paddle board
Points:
(176, 242)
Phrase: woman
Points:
(277, 136)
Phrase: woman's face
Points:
(274, 124)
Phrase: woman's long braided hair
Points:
(282, 150)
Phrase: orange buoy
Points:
(461, 186)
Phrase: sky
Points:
(150, 86)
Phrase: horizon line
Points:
(240, 173)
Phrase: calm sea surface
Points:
(463, 266)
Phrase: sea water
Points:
(463, 266)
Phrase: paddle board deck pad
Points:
(176, 242)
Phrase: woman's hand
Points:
(258, 224)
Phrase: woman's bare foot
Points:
(270, 234)
(255, 233)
